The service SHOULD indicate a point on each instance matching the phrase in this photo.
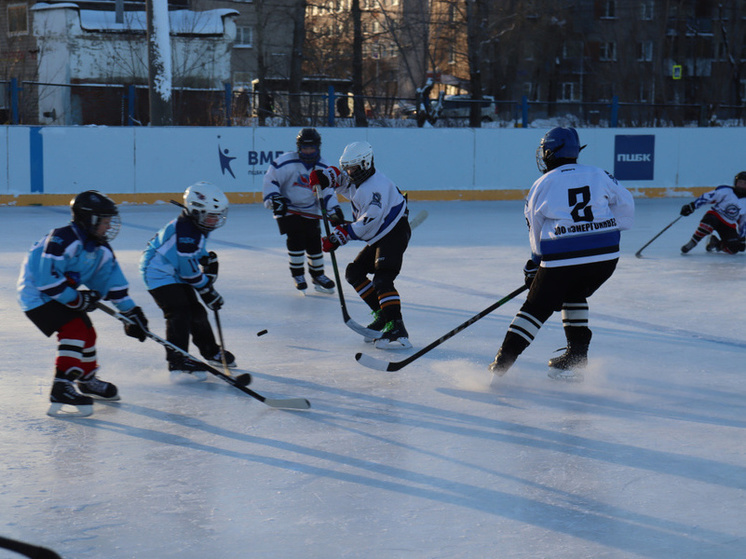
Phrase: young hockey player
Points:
(176, 267)
(380, 220)
(575, 214)
(722, 219)
(51, 293)
(288, 193)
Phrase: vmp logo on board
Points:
(634, 157)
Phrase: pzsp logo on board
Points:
(634, 157)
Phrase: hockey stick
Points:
(223, 359)
(638, 254)
(28, 550)
(289, 403)
(380, 365)
(359, 328)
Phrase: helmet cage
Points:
(89, 208)
(308, 138)
(357, 161)
(206, 205)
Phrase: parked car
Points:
(458, 106)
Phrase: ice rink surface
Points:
(645, 459)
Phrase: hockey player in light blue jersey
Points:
(62, 279)
(176, 266)
(380, 220)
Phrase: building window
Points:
(645, 51)
(244, 37)
(609, 9)
(531, 91)
(17, 19)
(646, 93)
(567, 91)
(646, 9)
(607, 52)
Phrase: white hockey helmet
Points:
(206, 204)
(357, 161)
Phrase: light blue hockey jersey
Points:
(173, 255)
(64, 259)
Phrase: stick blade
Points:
(372, 362)
(288, 403)
(362, 330)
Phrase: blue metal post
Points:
(131, 105)
(14, 89)
(524, 111)
(330, 101)
(228, 103)
(614, 118)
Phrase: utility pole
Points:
(159, 63)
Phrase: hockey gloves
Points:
(687, 209)
(337, 217)
(326, 178)
(279, 205)
(86, 301)
(210, 266)
(138, 324)
(337, 237)
(529, 272)
(210, 297)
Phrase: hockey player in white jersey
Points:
(575, 214)
(287, 190)
(723, 218)
(379, 211)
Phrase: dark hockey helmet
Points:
(357, 161)
(89, 208)
(558, 147)
(740, 190)
(309, 139)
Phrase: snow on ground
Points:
(643, 460)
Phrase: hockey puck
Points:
(261, 332)
(244, 379)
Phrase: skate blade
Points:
(565, 375)
(233, 365)
(401, 343)
(186, 377)
(63, 410)
(327, 290)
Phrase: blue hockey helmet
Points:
(557, 144)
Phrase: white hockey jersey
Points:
(724, 202)
(575, 214)
(377, 206)
(288, 176)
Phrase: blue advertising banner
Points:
(634, 157)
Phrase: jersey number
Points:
(579, 200)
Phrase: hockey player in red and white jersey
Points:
(380, 213)
(288, 193)
(724, 218)
(575, 214)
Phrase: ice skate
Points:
(322, 284)
(98, 389)
(688, 246)
(64, 394)
(566, 366)
(217, 360)
(379, 322)
(503, 361)
(394, 336)
(713, 244)
(300, 283)
(187, 370)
